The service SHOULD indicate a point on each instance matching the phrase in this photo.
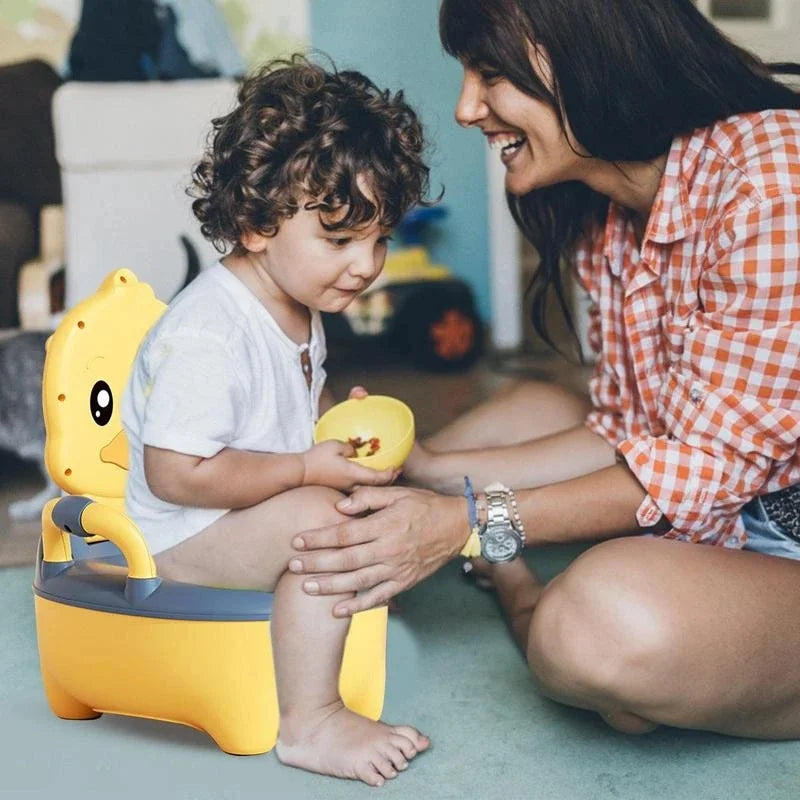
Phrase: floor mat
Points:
(452, 671)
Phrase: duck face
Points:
(89, 359)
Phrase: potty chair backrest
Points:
(87, 366)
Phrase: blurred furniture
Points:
(17, 244)
(29, 176)
(126, 151)
(40, 287)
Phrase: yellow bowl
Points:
(386, 418)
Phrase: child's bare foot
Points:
(343, 744)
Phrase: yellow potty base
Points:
(215, 676)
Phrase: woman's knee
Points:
(548, 398)
(533, 391)
(598, 629)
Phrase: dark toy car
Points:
(415, 309)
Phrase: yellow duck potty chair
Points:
(113, 636)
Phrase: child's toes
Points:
(370, 775)
(396, 757)
(384, 766)
(417, 739)
(404, 745)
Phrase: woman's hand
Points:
(327, 464)
(412, 533)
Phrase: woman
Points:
(663, 164)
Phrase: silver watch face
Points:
(500, 543)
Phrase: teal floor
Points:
(453, 672)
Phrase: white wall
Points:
(775, 39)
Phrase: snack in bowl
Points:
(357, 443)
(380, 429)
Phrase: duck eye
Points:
(101, 403)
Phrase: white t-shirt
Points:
(215, 371)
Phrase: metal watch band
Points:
(497, 510)
(504, 500)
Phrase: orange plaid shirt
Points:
(697, 332)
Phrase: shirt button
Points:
(695, 395)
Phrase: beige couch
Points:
(125, 152)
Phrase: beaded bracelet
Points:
(515, 515)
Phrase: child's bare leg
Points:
(317, 732)
(250, 548)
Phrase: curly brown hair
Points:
(299, 132)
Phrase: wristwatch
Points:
(502, 537)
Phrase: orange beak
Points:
(116, 451)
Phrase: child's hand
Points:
(326, 464)
(327, 400)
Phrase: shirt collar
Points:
(671, 217)
(615, 235)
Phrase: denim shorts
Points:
(765, 535)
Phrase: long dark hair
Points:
(629, 75)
